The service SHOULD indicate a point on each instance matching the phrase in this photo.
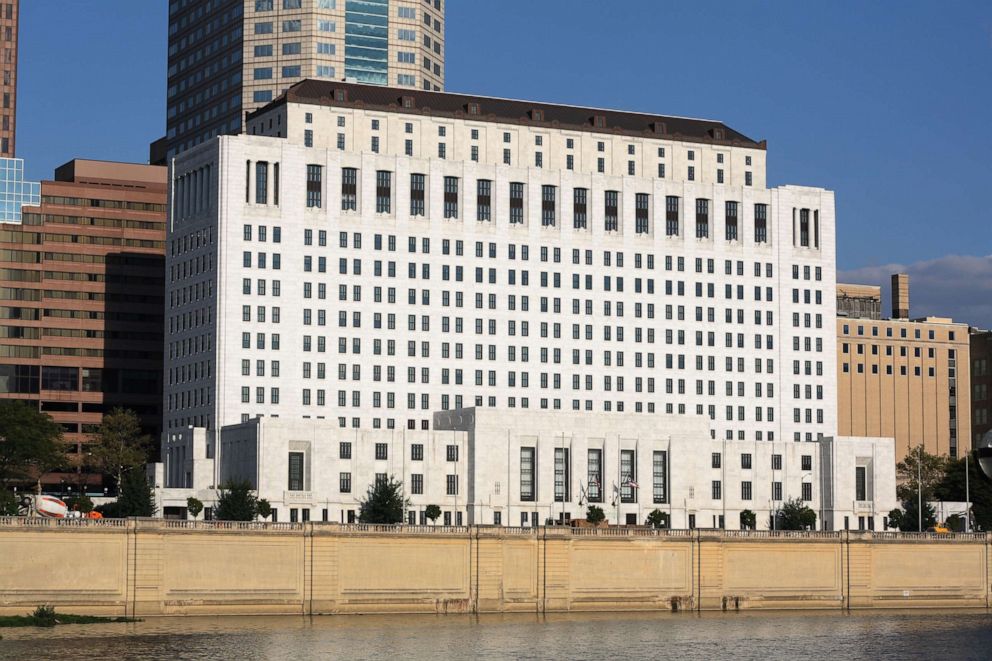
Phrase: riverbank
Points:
(45, 617)
(769, 636)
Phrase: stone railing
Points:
(482, 531)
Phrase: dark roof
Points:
(489, 109)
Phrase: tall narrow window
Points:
(417, 185)
(275, 184)
(761, 223)
(548, 206)
(659, 473)
(562, 494)
(247, 181)
(349, 189)
(314, 186)
(731, 221)
(611, 211)
(261, 182)
(516, 203)
(579, 207)
(528, 465)
(628, 476)
(816, 228)
(671, 216)
(804, 228)
(702, 219)
(295, 471)
(594, 476)
(641, 223)
(861, 483)
(451, 197)
(383, 191)
(483, 200)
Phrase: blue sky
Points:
(888, 104)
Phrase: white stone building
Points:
(517, 468)
(370, 255)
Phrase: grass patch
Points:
(45, 616)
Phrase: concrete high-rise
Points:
(230, 57)
(369, 255)
(8, 113)
(81, 297)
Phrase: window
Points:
(746, 461)
(715, 460)
(344, 482)
(776, 462)
(314, 186)
(344, 450)
(451, 486)
(659, 474)
(717, 490)
(579, 197)
(731, 221)
(349, 189)
(702, 219)
(861, 483)
(417, 452)
(383, 191)
(641, 213)
(483, 200)
(547, 206)
(262, 73)
(562, 475)
(295, 471)
(452, 452)
(807, 494)
(807, 462)
(594, 476)
(416, 484)
(528, 466)
(776, 491)
(417, 185)
(671, 215)
(628, 476)
(611, 211)
(381, 451)
(292, 26)
(261, 182)
(516, 203)
(760, 223)
(451, 197)
(745, 491)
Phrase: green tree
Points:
(384, 502)
(194, 506)
(906, 519)
(658, 519)
(919, 469)
(748, 520)
(136, 497)
(8, 503)
(80, 503)
(795, 515)
(595, 515)
(30, 444)
(432, 512)
(118, 445)
(952, 488)
(264, 509)
(236, 502)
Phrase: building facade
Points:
(908, 379)
(519, 468)
(9, 19)
(81, 297)
(230, 57)
(15, 192)
(981, 383)
(394, 253)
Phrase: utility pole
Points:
(967, 497)
(919, 491)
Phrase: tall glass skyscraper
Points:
(230, 57)
(14, 191)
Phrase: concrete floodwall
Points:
(145, 567)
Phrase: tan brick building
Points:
(900, 377)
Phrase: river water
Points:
(768, 636)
